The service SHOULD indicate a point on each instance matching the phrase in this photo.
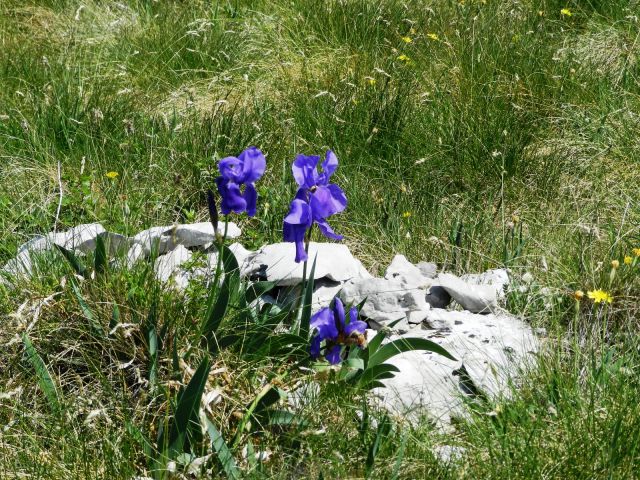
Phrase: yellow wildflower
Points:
(111, 175)
(615, 264)
(371, 81)
(565, 12)
(403, 58)
(600, 296)
(636, 252)
(407, 39)
(433, 36)
(406, 214)
(628, 260)
(578, 295)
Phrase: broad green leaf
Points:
(86, 311)
(44, 378)
(187, 410)
(217, 309)
(100, 259)
(73, 260)
(401, 345)
(222, 450)
(377, 372)
(283, 418)
(257, 289)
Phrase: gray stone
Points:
(428, 269)
(168, 265)
(135, 253)
(387, 300)
(334, 261)
(407, 273)
(475, 298)
(497, 278)
(187, 235)
(494, 349)
(81, 238)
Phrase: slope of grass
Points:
(471, 133)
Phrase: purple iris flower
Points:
(246, 169)
(315, 200)
(331, 327)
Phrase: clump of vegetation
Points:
(473, 133)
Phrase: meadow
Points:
(472, 133)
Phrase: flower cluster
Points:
(332, 328)
(315, 200)
(237, 172)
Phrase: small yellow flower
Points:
(371, 81)
(403, 58)
(565, 12)
(578, 295)
(600, 296)
(407, 39)
(636, 252)
(628, 260)
(433, 36)
(111, 175)
(406, 214)
(615, 264)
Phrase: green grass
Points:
(509, 140)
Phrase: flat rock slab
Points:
(187, 235)
(475, 298)
(334, 262)
(492, 348)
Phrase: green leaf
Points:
(283, 418)
(115, 317)
(100, 259)
(400, 456)
(44, 378)
(257, 289)
(216, 310)
(73, 260)
(305, 319)
(222, 450)
(86, 311)
(377, 372)
(384, 428)
(187, 409)
(401, 345)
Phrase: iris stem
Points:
(307, 241)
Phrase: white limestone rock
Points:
(81, 238)
(475, 298)
(187, 235)
(334, 261)
(407, 273)
(428, 269)
(387, 300)
(168, 265)
(497, 278)
(494, 349)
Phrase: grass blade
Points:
(86, 311)
(73, 260)
(44, 378)
(100, 259)
(222, 450)
(187, 409)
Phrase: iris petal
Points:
(231, 169)
(314, 349)
(329, 166)
(253, 164)
(324, 322)
(327, 231)
(327, 201)
(333, 355)
(338, 310)
(305, 170)
(251, 198)
(232, 199)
